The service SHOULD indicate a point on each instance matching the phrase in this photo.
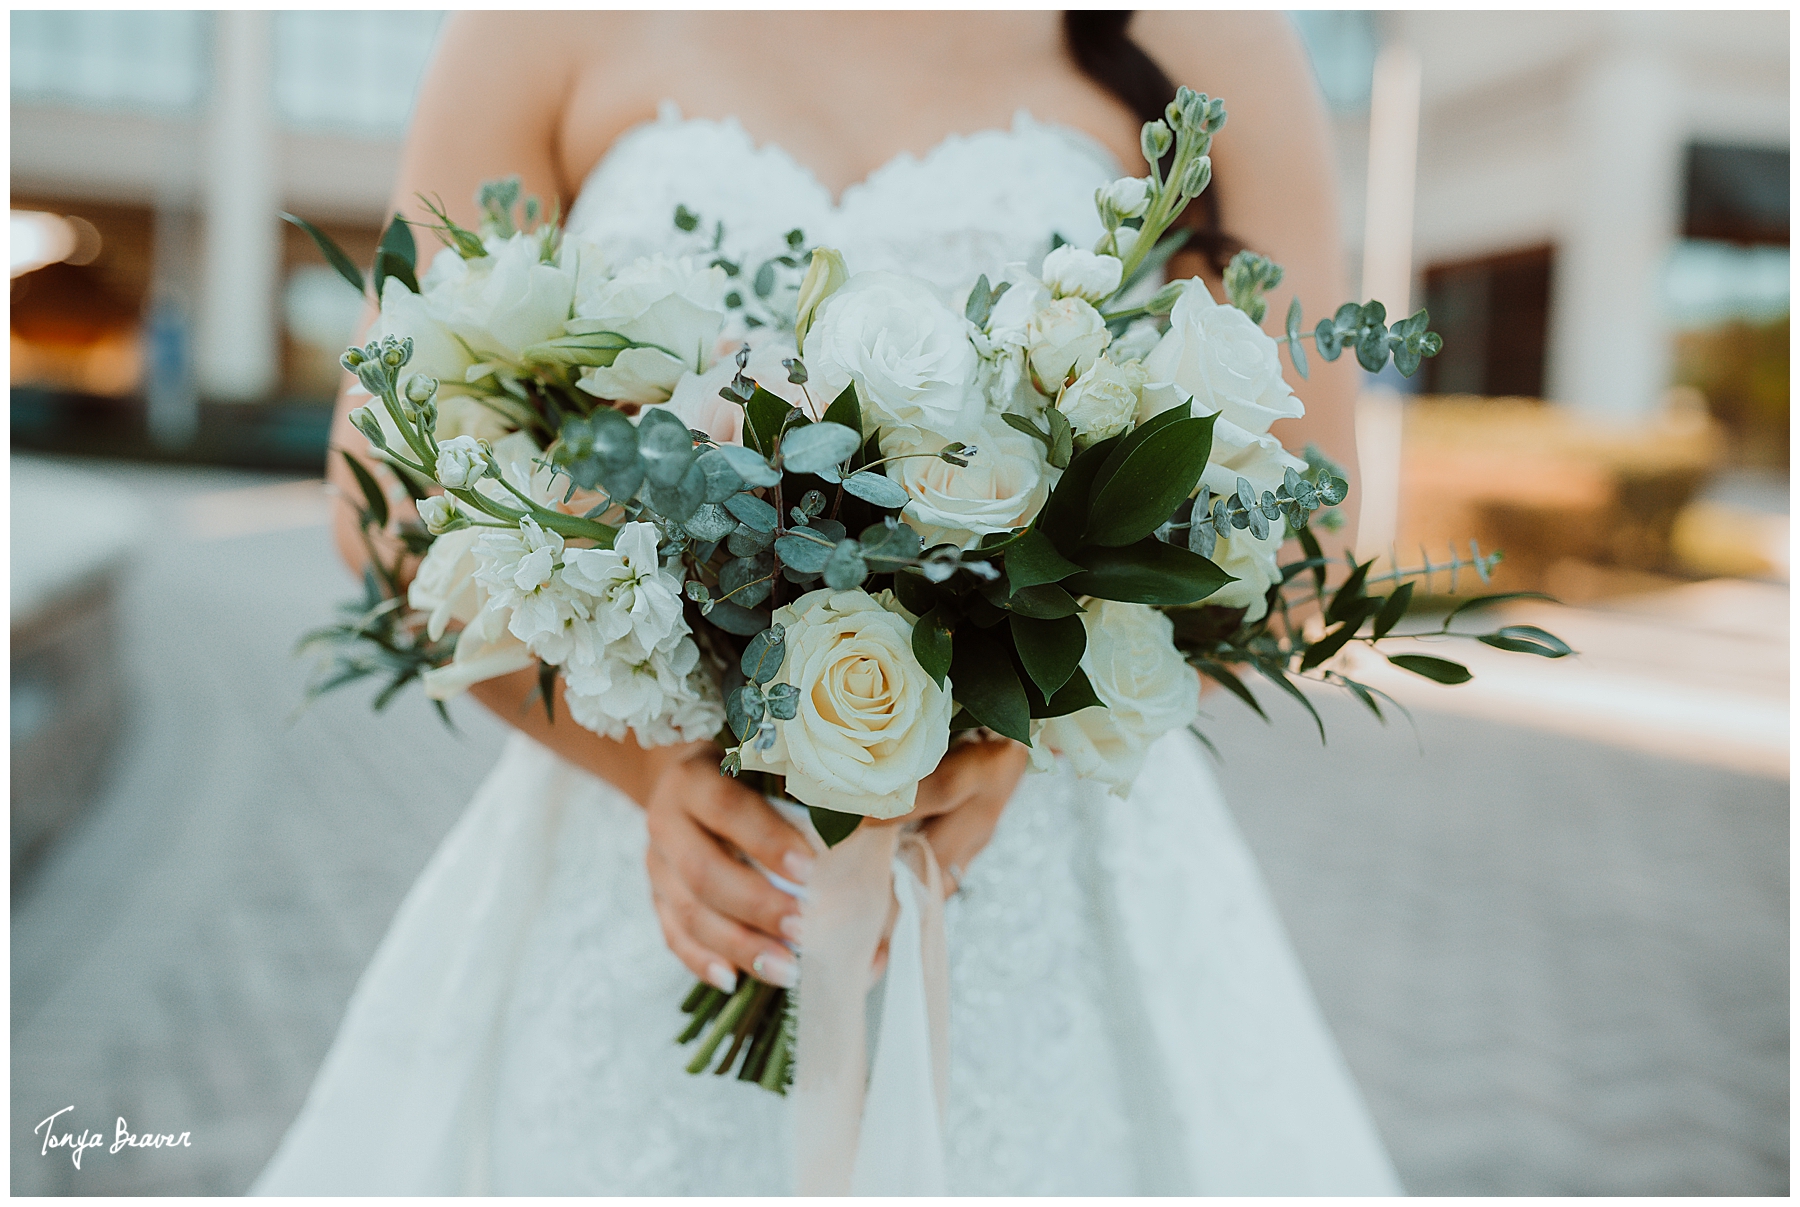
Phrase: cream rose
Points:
(1103, 401)
(1064, 337)
(675, 305)
(871, 723)
(1147, 686)
(909, 354)
(1005, 484)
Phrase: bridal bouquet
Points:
(834, 518)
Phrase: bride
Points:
(1126, 1013)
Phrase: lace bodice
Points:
(972, 204)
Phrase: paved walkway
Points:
(1556, 966)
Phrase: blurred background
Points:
(1547, 917)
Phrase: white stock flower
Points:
(500, 303)
(1004, 485)
(1103, 401)
(520, 568)
(661, 698)
(1064, 337)
(437, 513)
(634, 598)
(461, 462)
(1072, 271)
(676, 305)
(445, 585)
(1146, 685)
(1129, 196)
(1255, 564)
(909, 354)
(871, 723)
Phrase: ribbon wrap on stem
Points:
(862, 1128)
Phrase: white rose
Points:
(871, 723)
(676, 305)
(1128, 196)
(1004, 486)
(696, 400)
(445, 584)
(1103, 401)
(1225, 363)
(461, 462)
(1064, 337)
(1072, 271)
(1146, 685)
(499, 303)
(1255, 564)
(909, 354)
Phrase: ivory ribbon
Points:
(860, 1129)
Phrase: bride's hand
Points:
(960, 803)
(717, 913)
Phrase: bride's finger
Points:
(708, 965)
(751, 824)
(767, 961)
(742, 894)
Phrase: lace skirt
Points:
(1127, 1016)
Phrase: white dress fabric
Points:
(1127, 1015)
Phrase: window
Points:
(1494, 315)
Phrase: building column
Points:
(237, 345)
(1609, 349)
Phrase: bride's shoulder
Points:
(1241, 56)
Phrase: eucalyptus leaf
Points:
(845, 568)
(754, 512)
(749, 465)
(666, 446)
(818, 446)
(878, 489)
(710, 522)
(764, 654)
(722, 481)
(806, 554)
(742, 621)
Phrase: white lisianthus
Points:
(1128, 196)
(636, 601)
(1104, 401)
(1147, 686)
(1255, 564)
(445, 586)
(1064, 337)
(1004, 486)
(461, 462)
(659, 699)
(1072, 271)
(675, 305)
(909, 354)
(498, 304)
(871, 723)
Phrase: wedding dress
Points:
(1126, 1012)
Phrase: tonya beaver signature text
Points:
(79, 1142)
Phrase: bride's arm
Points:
(491, 105)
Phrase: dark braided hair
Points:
(1099, 43)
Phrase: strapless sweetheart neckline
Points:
(669, 113)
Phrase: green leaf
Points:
(763, 416)
(1046, 601)
(1349, 593)
(1149, 572)
(1075, 695)
(1482, 601)
(845, 409)
(804, 553)
(1274, 675)
(878, 489)
(1334, 641)
(389, 264)
(547, 690)
(1062, 439)
(1393, 610)
(667, 447)
(749, 465)
(334, 255)
(889, 545)
(1123, 445)
(915, 594)
(1022, 424)
(1314, 554)
(845, 568)
(818, 447)
(985, 683)
(1032, 560)
(1438, 670)
(753, 512)
(1296, 352)
(375, 500)
(1159, 255)
(734, 618)
(931, 643)
(1231, 683)
(1050, 650)
(398, 239)
(833, 826)
(1065, 515)
(1152, 478)
(1527, 639)
(763, 656)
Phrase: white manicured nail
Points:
(773, 970)
(721, 977)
